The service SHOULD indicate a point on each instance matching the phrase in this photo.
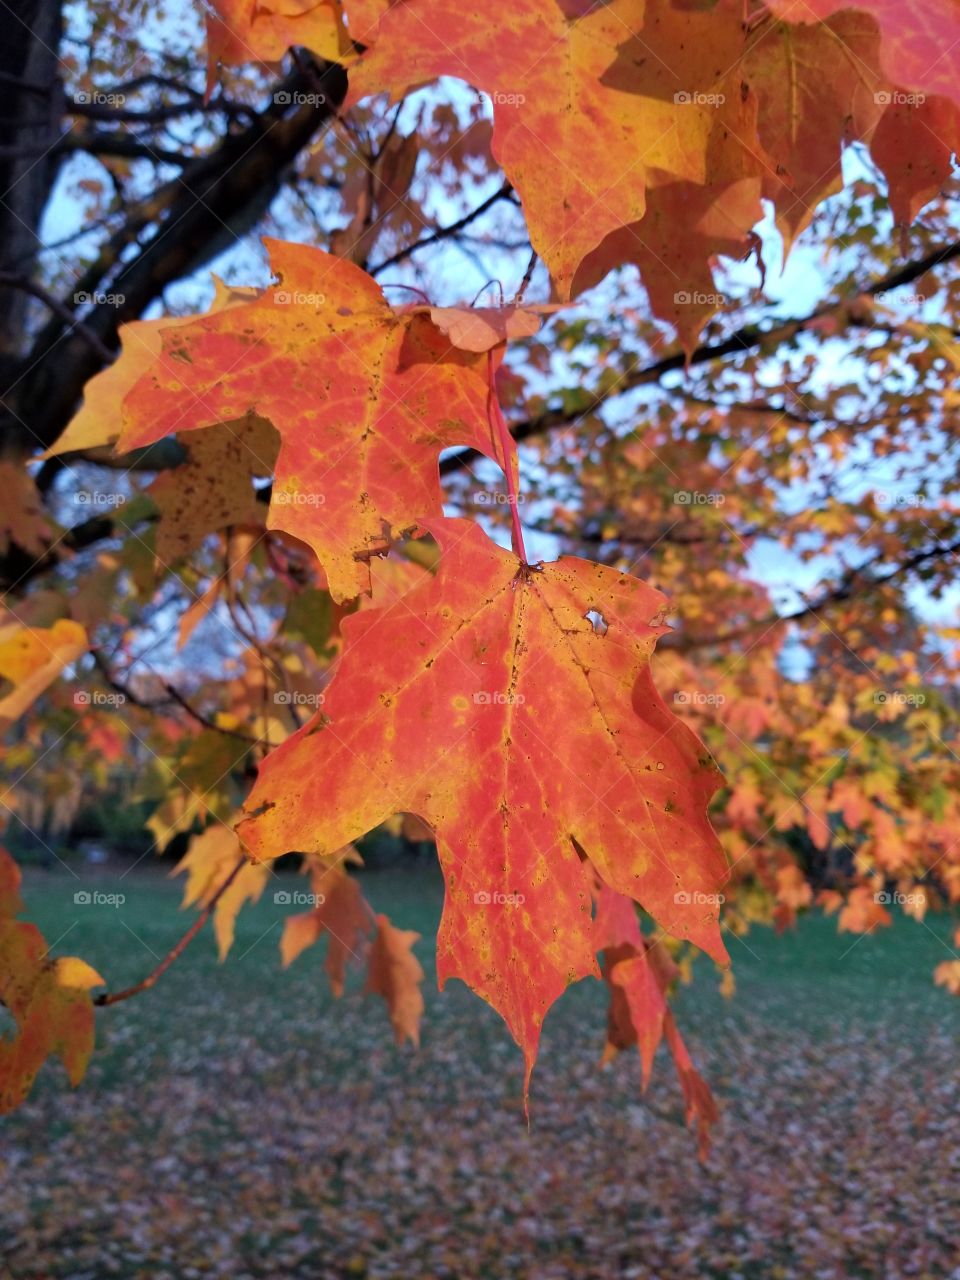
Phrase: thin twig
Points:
(207, 723)
(527, 276)
(26, 285)
(114, 997)
(444, 232)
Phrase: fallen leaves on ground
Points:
(274, 1131)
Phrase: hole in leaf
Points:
(597, 621)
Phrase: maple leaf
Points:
(602, 92)
(209, 860)
(487, 704)
(914, 144)
(395, 973)
(817, 86)
(920, 38)
(639, 972)
(241, 31)
(637, 1006)
(97, 422)
(863, 911)
(947, 974)
(376, 193)
(341, 914)
(49, 999)
(793, 890)
(481, 328)
(31, 658)
(23, 521)
(364, 398)
(685, 227)
(212, 489)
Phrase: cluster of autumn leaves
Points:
(663, 125)
(509, 706)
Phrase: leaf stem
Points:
(497, 421)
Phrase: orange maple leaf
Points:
(49, 999)
(920, 47)
(365, 398)
(341, 914)
(489, 704)
(396, 974)
(599, 91)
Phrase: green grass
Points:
(812, 977)
(241, 1103)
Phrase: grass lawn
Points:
(239, 1122)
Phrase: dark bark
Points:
(31, 95)
(179, 227)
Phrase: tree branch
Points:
(114, 997)
(749, 338)
(174, 230)
(444, 233)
